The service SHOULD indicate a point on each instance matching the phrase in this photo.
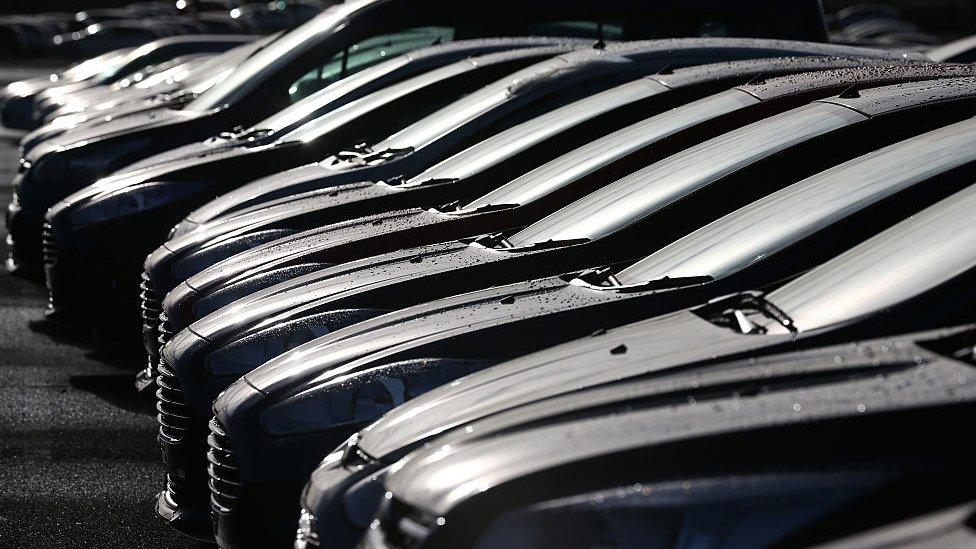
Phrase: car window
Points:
(479, 72)
(646, 191)
(909, 259)
(365, 54)
(591, 157)
(785, 217)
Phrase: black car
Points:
(182, 91)
(143, 57)
(415, 275)
(203, 359)
(20, 98)
(261, 85)
(16, 99)
(265, 192)
(189, 176)
(185, 495)
(788, 450)
(518, 202)
(75, 281)
(811, 220)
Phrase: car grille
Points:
(225, 477)
(49, 246)
(173, 412)
(151, 306)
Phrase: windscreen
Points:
(591, 157)
(909, 259)
(646, 191)
(475, 104)
(785, 217)
(512, 141)
(275, 55)
(334, 119)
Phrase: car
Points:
(166, 73)
(179, 92)
(200, 361)
(143, 57)
(522, 200)
(790, 450)
(171, 503)
(361, 108)
(541, 88)
(260, 86)
(440, 342)
(17, 98)
(262, 193)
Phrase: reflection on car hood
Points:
(879, 377)
(654, 345)
(89, 133)
(417, 332)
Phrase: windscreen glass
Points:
(785, 217)
(602, 152)
(911, 258)
(275, 55)
(366, 54)
(646, 191)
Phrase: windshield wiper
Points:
(733, 313)
(498, 241)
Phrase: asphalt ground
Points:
(79, 464)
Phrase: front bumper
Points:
(255, 499)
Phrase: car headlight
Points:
(363, 397)
(129, 201)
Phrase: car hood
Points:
(647, 347)
(300, 247)
(315, 290)
(182, 170)
(317, 203)
(844, 381)
(88, 133)
(294, 184)
(421, 331)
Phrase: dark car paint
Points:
(80, 287)
(144, 56)
(267, 263)
(170, 96)
(441, 270)
(544, 86)
(17, 99)
(267, 191)
(168, 504)
(887, 405)
(257, 88)
(491, 325)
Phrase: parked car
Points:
(17, 98)
(813, 445)
(181, 91)
(272, 256)
(260, 86)
(203, 359)
(190, 176)
(443, 343)
(533, 90)
(18, 110)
